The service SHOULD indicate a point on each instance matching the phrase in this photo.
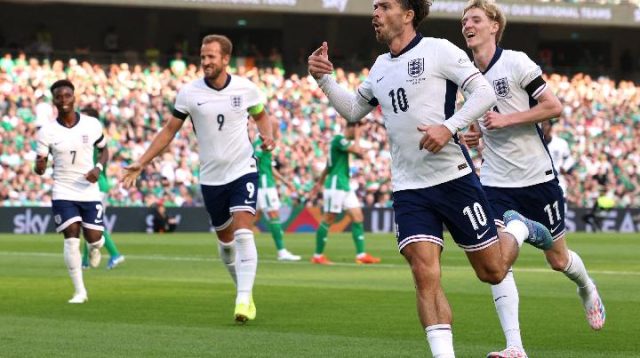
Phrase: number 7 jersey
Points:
(418, 87)
(72, 151)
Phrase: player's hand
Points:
(319, 63)
(131, 174)
(471, 138)
(92, 175)
(268, 144)
(495, 120)
(434, 138)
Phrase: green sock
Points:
(276, 232)
(85, 253)
(110, 245)
(321, 237)
(357, 232)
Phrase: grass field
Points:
(173, 298)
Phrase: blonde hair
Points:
(225, 44)
(493, 12)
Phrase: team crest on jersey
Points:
(236, 102)
(416, 67)
(85, 138)
(501, 86)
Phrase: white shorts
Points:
(335, 201)
(268, 200)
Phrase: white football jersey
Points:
(220, 120)
(414, 88)
(514, 156)
(72, 152)
(562, 159)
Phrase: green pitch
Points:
(173, 298)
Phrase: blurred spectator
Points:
(162, 221)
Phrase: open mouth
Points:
(469, 34)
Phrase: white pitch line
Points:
(338, 264)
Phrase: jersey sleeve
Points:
(42, 148)
(181, 107)
(101, 139)
(455, 65)
(528, 75)
(253, 97)
(366, 92)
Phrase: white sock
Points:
(518, 229)
(577, 273)
(505, 297)
(96, 245)
(440, 340)
(227, 251)
(246, 264)
(73, 260)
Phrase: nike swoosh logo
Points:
(97, 221)
(379, 79)
(57, 143)
(555, 228)
(201, 103)
(496, 300)
(249, 202)
(480, 236)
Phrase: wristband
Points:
(100, 166)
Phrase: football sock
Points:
(246, 264)
(85, 253)
(440, 340)
(576, 272)
(98, 244)
(110, 245)
(357, 233)
(518, 229)
(74, 263)
(276, 233)
(227, 251)
(506, 300)
(321, 237)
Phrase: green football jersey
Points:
(103, 182)
(265, 160)
(338, 164)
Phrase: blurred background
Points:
(129, 58)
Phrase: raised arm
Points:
(352, 106)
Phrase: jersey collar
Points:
(226, 83)
(60, 122)
(411, 45)
(494, 59)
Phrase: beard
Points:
(215, 72)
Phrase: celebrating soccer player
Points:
(71, 140)
(415, 85)
(517, 171)
(219, 105)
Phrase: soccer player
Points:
(415, 85)
(71, 140)
(268, 199)
(338, 196)
(115, 258)
(219, 106)
(560, 153)
(517, 172)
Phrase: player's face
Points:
(387, 20)
(478, 29)
(212, 61)
(64, 99)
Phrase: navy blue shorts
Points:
(460, 204)
(222, 200)
(543, 203)
(67, 212)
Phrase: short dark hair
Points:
(90, 111)
(420, 9)
(61, 83)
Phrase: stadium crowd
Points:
(600, 121)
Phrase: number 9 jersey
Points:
(72, 151)
(220, 118)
